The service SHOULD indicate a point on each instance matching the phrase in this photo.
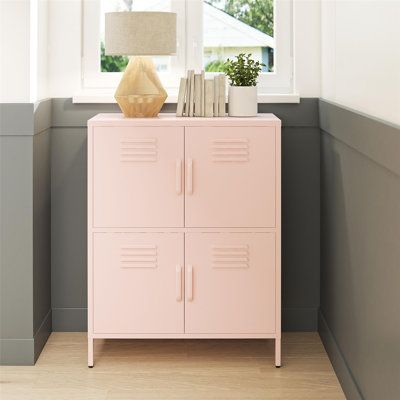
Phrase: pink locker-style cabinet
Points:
(184, 228)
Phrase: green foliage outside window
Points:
(112, 63)
(215, 66)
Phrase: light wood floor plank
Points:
(175, 370)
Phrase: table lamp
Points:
(140, 34)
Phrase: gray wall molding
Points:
(42, 334)
(70, 319)
(376, 139)
(25, 351)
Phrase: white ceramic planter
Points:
(242, 101)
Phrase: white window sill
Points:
(108, 98)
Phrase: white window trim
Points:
(98, 87)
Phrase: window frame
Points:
(190, 49)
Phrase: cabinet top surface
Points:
(170, 119)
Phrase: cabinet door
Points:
(138, 283)
(230, 283)
(230, 177)
(138, 177)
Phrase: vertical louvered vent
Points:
(140, 256)
(138, 150)
(230, 256)
(230, 150)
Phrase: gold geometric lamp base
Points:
(140, 92)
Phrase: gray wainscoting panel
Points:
(16, 251)
(300, 219)
(300, 114)
(17, 119)
(41, 229)
(17, 351)
(25, 289)
(68, 223)
(360, 253)
(300, 227)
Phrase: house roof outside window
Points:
(223, 30)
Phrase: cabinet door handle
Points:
(178, 176)
(178, 282)
(190, 283)
(189, 183)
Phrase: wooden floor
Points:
(175, 369)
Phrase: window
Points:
(208, 33)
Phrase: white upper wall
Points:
(360, 56)
(307, 47)
(14, 51)
(42, 49)
(65, 47)
(23, 50)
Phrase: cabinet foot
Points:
(90, 352)
(278, 353)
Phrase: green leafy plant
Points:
(243, 71)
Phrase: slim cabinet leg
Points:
(90, 352)
(277, 353)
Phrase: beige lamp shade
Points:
(146, 33)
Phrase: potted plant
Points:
(242, 95)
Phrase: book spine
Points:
(191, 95)
(216, 95)
(197, 95)
(209, 97)
(181, 97)
(222, 96)
(202, 93)
(187, 94)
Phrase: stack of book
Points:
(200, 97)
